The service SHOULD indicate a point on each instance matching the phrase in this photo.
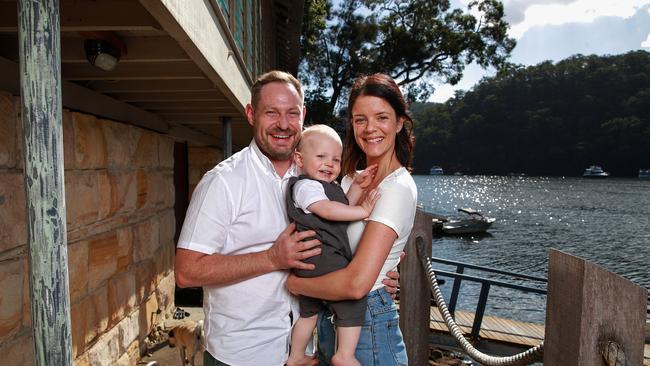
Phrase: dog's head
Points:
(172, 339)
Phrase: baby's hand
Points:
(364, 178)
(369, 202)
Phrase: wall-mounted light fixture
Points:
(102, 54)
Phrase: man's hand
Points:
(289, 249)
(391, 284)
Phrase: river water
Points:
(606, 221)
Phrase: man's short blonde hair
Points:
(313, 131)
(273, 76)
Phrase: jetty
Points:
(593, 316)
(494, 329)
(500, 335)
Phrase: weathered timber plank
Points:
(493, 328)
(588, 306)
(415, 291)
(40, 84)
(97, 15)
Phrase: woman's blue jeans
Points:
(381, 342)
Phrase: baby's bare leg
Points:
(348, 337)
(300, 336)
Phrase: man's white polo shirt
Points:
(239, 207)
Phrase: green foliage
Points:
(548, 119)
(411, 40)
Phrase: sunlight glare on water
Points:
(604, 221)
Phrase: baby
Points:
(316, 202)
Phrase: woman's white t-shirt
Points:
(395, 209)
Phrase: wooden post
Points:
(227, 136)
(591, 311)
(40, 81)
(415, 292)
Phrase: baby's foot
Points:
(344, 360)
(301, 360)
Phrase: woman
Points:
(379, 132)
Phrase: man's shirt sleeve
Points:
(208, 217)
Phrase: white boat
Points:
(475, 223)
(595, 171)
(644, 173)
(436, 170)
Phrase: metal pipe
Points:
(480, 309)
(227, 136)
(442, 273)
(40, 85)
(455, 290)
(489, 269)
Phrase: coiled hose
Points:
(524, 358)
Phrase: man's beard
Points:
(277, 155)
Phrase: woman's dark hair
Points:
(384, 87)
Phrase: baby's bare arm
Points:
(337, 211)
(360, 183)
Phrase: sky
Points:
(556, 29)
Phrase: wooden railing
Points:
(589, 312)
(485, 283)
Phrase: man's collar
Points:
(266, 163)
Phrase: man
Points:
(236, 240)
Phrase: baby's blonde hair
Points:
(315, 130)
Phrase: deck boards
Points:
(503, 330)
(493, 328)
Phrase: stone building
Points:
(137, 137)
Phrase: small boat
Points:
(475, 223)
(595, 171)
(644, 173)
(436, 170)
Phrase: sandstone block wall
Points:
(120, 221)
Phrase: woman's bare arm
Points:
(357, 279)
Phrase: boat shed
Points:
(110, 113)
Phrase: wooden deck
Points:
(493, 328)
(502, 330)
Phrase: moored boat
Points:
(475, 223)
(595, 171)
(436, 170)
(644, 173)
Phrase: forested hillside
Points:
(548, 119)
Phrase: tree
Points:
(547, 119)
(411, 40)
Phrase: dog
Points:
(188, 337)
